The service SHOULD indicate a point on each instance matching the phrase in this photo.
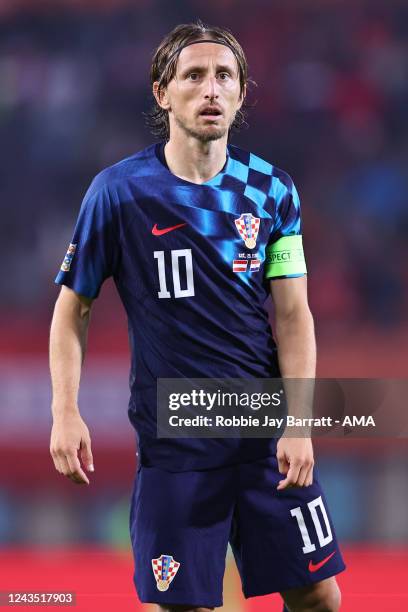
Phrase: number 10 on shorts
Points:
(308, 547)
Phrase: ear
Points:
(242, 97)
(161, 96)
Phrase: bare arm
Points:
(68, 336)
(296, 344)
(294, 328)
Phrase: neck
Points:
(195, 161)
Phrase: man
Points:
(191, 230)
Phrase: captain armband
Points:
(285, 257)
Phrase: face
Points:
(204, 95)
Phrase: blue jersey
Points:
(191, 263)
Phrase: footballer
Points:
(196, 234)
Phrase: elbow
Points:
(84, 311)
(295, 314)
(294, 320)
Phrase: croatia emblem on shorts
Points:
(164, 570)
(248, 228)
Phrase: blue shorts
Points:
(181, 523)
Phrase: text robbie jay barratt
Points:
(250, 421)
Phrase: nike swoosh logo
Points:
(159, 232)
(313, 567)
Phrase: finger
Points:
(302, 476)
(64, 467)
(76, 472)
(309, 477)
(283, 465)
(86, 455)
(291, 477)
(66, 470)
(55, 460)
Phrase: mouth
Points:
(210, 112)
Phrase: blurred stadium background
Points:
(331, 109)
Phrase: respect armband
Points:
(285, 257)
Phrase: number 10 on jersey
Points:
(176, 255)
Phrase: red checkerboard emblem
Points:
(164, 569)
(248, 228)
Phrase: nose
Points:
(211, 88)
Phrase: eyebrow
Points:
(201, 69)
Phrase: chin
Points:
(203, 133)
(209, 133)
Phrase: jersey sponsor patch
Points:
(164, 569)
(66, 264)
(248, 228)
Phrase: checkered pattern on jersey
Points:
(259, 181)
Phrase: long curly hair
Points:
(162, 70)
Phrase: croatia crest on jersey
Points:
(248, 228)
(164, 569)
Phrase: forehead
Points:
(200, 54)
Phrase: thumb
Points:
(86, 455)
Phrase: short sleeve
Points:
(284, 251)
(93, 253)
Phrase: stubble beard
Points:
(204, 134)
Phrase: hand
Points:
(295, 459)
(68, 436)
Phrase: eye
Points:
(193, 76)
(224, 76)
